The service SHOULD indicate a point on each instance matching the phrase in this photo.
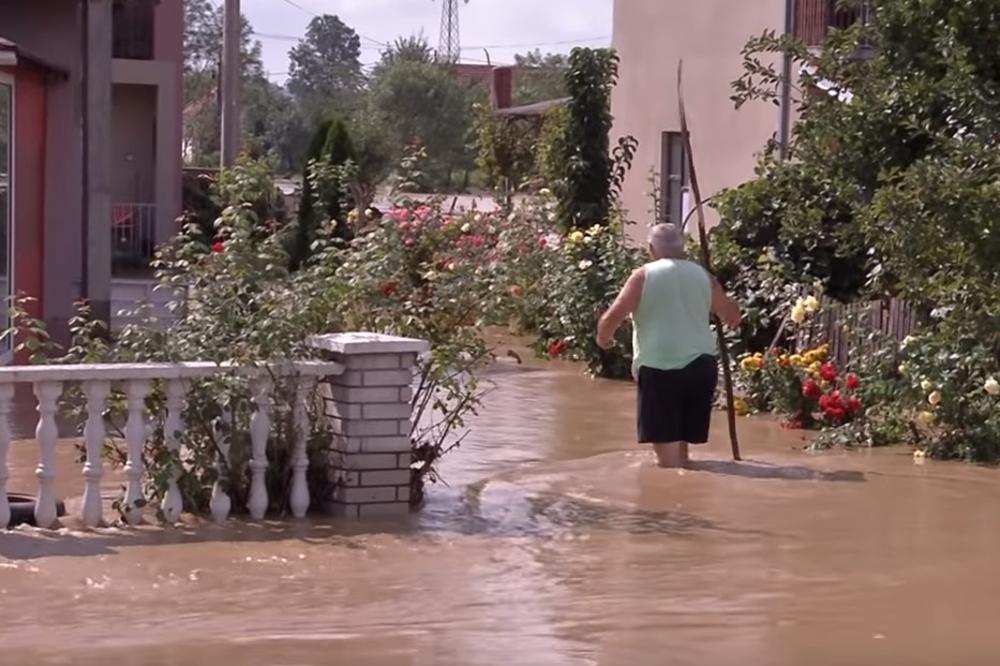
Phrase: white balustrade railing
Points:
(137, 380)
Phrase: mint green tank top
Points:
(671, 325)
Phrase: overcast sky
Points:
(504, 26)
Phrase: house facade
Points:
(65, 222)
(651, 38)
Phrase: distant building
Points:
(43, 179)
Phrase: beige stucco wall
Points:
(651, 37)
(133, 153)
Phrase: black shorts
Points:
(676, 405)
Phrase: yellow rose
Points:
(798, 361)
(740, 407)
(925, 418)
(811, 304)
(576, 237)
(934, 399)
(798, 314)
(815, 367)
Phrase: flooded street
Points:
(557, 542)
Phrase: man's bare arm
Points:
(626, 303)
(724, 307)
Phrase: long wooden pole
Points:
(231, 69)
(706, 260)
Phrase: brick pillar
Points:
(368, 408)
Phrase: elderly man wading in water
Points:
(671, 301)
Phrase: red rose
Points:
(408, 242)
(388, 289)
(828, 372)
(853, 404)
(784, 361)
(543, 242)
(824, 401)
(811, 390)
(516, 291)
(852, 382)
(835, 414)
(557, 348)
(218, 247)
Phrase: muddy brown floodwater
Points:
(557, 542)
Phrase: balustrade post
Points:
(6, 397)
(300, 500)
(46, 511)
(260, 429)
(93, 434)
(136, 391)
(173, 504)
(221, 504)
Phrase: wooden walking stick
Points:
(706, 261)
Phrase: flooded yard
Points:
(557, 542)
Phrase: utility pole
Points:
(97, 40)
(785, 123)
(231, 75)
(450, 44)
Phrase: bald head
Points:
(666, 241)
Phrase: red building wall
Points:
(29, 181)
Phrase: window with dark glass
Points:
(674, 176)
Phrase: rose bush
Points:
(583, 277)
(805, 388)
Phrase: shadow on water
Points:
(751, 469)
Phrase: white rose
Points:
(545, 192)
(466, 228)
(798, 314)
(585, 264)
(926, 385)
(811, 304)
(992, 386)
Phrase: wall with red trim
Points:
(29, 183)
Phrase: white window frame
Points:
(6, 347)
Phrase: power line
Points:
(293, 3)
(523, 46)
(293, 38)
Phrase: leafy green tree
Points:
(422, 103)
(325, 73)
(326, 181)
(271, 122)
(891, 189)
(592, 171)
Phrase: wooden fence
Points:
(857, 329)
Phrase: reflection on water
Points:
(556, 542)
